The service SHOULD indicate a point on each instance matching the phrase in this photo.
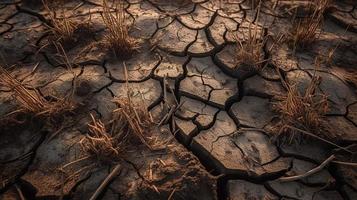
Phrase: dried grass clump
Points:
(118, 38)
(131, 124)
(135, 120)
(31, 101)
(62, 28)
(306, 30)
(347, 75)
(250, 51)
(106, 146)
(301, 112)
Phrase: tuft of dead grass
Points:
(118, 38)
(301, 111)
(306, 30)
(131, 124)
(249, 51)
(345, 74)
(62, 28)
(105, 145)
(31, 101)
(135, 119)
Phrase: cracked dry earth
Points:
(222, 147)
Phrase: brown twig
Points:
(311, 172)
(172, 194)
(105, 182)
(118, 38)
(317, 137)
(345, 163)
(22, 197)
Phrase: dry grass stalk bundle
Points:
(307, 29)
(250, 51)
(302, 111)
(347, 75)
(106, 146)
(131, 123)
(136, 120)
(118, 38)
(31, 100)
(62, 28)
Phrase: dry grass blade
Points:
(62, 28)
(118, 38)
(310, 172)
(106, 181)
(31, 100)
(249, 52)
(302, 111)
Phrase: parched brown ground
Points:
(222, 148)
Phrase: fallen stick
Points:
(172, 194)
(312, 171)
(317, 137)
(105, 182)
(167, 116)
(22, 197)
(173, 94)
(173, 109)
(345, 163)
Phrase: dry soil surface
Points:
(220, 143)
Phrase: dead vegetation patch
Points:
(131, 125)
(31, 101)
(305, 30)
(346, 75)
(301, 112)
(50, 111)
(105, 145)
(249, 51)
(117, 38)
(63, 28)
